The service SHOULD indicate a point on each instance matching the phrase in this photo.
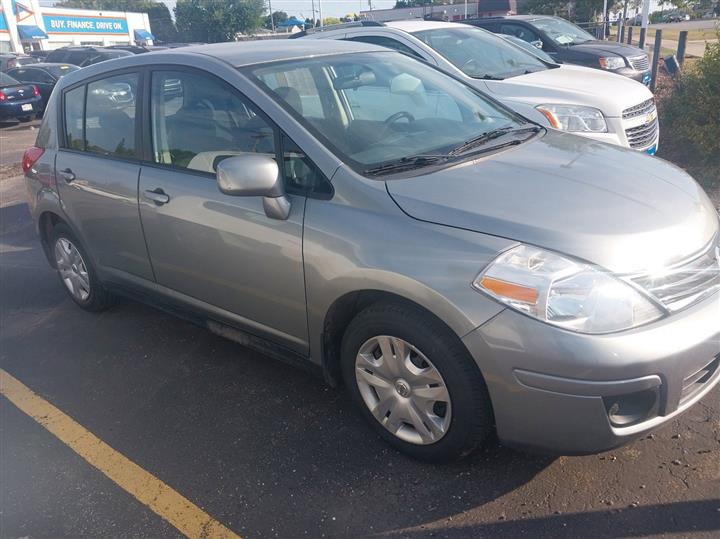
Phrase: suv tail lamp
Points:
(3, 97)
(30, 157)
(36, 92)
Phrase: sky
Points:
(331, 8)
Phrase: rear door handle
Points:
(157, 195)
(68, 175)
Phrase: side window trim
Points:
(139, 115)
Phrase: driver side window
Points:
(197, 121)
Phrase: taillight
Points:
(30, 157)
(36, 92)
(3, 97)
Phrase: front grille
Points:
(640, 63)
(685, 284)
(693, 383)
(643, 135)
(646, 107)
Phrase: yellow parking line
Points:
(188, 518)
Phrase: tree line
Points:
(206, 21)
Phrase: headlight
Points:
(574, 118)
(564, 292)
(612, 62)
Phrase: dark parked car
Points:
(7, 61)
(84, 56)
(137, 49)
(44, 76)
(570, 44)
(26, 60)
(17, 100)
(40, 55)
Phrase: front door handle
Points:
(68, 175)
(157, 195)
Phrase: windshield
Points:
(562, 32)
(7, 80)
(379, 107)
(480, 54)
(60, 70)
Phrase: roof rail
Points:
(341, 26)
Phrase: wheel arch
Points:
(47, 221)
(341, 312)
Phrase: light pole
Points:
(320, 12)
(272, 19)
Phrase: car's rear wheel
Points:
(415, 382)
(76, 272)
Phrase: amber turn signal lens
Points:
(510, 290)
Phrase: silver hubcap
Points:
(72, 269)
(403, 390)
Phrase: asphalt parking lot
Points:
(269, 451)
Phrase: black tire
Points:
(472, 419)
(99, 298)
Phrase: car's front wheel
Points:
(76, 271)
(415, 382)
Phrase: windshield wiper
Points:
(491, 135)
(407, 163)
(487, 77)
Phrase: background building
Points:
(25, 26)
(451, 12)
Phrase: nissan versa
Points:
(459, 268)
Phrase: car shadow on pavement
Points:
(660, 519)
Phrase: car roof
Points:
(246, 53)
(515, 18)
(420, 25)
(46, 65)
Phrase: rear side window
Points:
(101, 119)
(110, 115)
(74, 105)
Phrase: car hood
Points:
(607, 47)
(574, 85)
(622, 210)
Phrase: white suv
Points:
(588, 102)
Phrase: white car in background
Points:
(588, 102)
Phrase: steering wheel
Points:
(471, 65)
(387, 124)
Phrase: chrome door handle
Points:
(157, 195)
(68, 175)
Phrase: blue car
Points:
(18, 100)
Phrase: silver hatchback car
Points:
(458, 268)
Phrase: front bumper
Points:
(552, 389)
(643, 77)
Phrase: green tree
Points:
(211, 21)
(161, 22)
(277, 18)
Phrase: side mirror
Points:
(252, 175)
